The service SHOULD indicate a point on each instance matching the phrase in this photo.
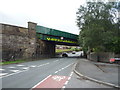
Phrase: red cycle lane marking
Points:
(53, 82)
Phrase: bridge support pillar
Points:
(31, 47)
(45, 49)
(39, 48)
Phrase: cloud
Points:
(57, 14)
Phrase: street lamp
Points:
(62, 38)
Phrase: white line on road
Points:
(25, 67)
(41, 81)
(33, 66)
(63, 87)
(2, 74)
(55, 60)
(20, 65)
(11, 67)
(62, 68)
(66, 83)
(71, 74)
(13, 73)
(15, 70)
(56, 72)
(59, 70)
(43, 64)
(67, 80)
(2, 69)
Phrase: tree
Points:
(96, 20)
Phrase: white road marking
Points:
(25, 68)
(2, 69)
(20, 65)
(41, 81)
(56, 72)
(11, 67)
(68, 65)
(62, 68)
(58, 78)
(13, 73)
(69, 78)
(39, 65)
(59, 70)
(55, 60)
(2, 74)
(63, 87)
(71, 74)
(66, 83)
(43, 64)
(33, 66)
(15, 70)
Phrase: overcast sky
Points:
(56, 14)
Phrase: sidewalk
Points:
(107, 74)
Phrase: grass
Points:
(21, 61)
(12, 62)
(62, 50)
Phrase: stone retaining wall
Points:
(100, 57)
(22, 43)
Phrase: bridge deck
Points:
(57, 36)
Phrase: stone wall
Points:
(101, 56)
(15, 41)
(21, 43)
(45, 49)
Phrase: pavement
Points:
(98, 72)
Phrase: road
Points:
(47, 73)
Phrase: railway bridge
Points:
(33, 42)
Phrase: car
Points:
(73, 52)
(64, 54)
(114, 60)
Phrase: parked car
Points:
(73, 52)
(114, 60)
(64, 54)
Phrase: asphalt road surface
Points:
(47, 73)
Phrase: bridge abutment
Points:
(39, 48)
(22, 43)
(45, 49)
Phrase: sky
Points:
(56, 14)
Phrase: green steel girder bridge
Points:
(59, 37)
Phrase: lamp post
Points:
(62, 38)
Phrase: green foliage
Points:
(63, 50)
(99, 27)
